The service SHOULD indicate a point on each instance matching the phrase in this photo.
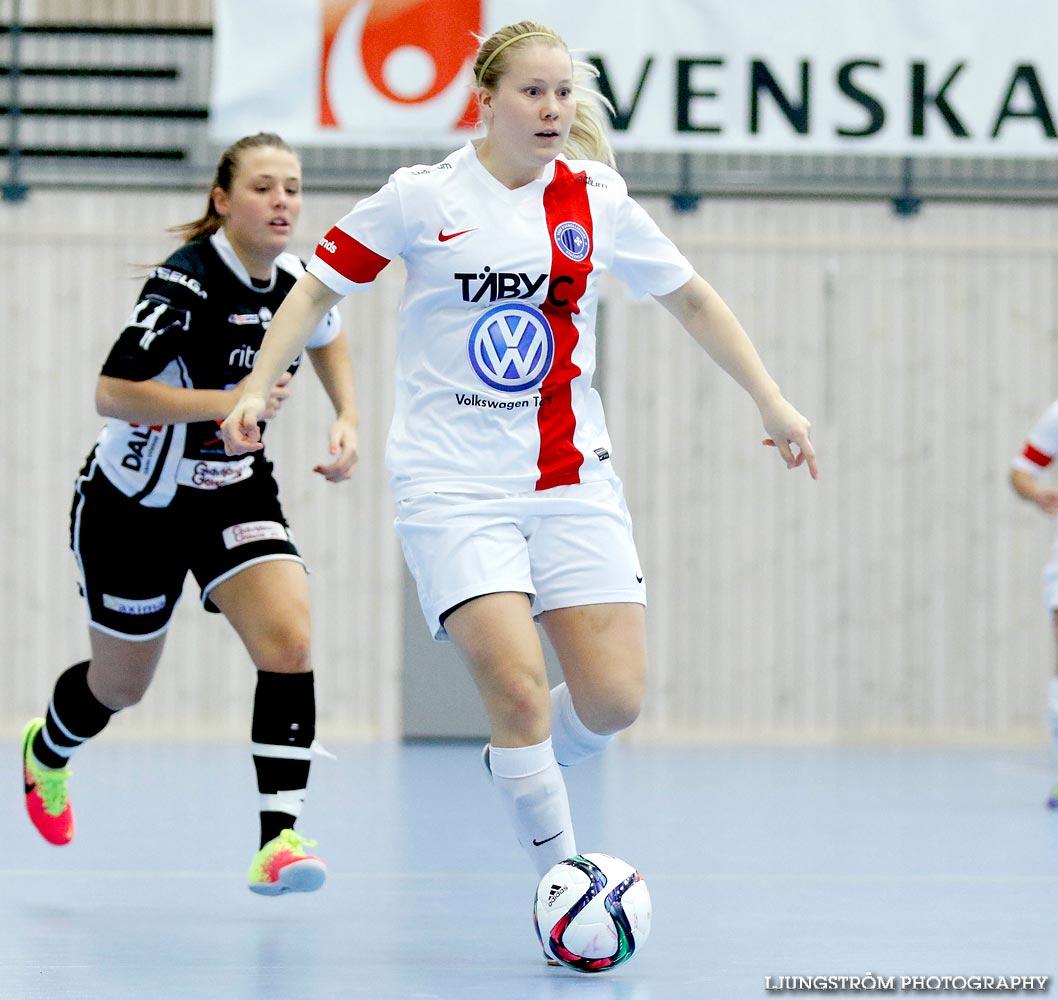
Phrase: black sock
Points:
(74, 716)
(284, 726)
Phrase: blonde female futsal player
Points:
(508, 505)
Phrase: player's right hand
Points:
(239, 430)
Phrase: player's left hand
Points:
(791, 434)
(344, 451)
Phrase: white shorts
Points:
(564, 547)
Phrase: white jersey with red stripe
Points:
(1039, 452)
(496, 340)
(1041, 446)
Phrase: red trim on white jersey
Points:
(1041, 443)
(349, 257)
(1037, 457)
(565, 200)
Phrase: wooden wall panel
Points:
(896, 599)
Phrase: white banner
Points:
(888, 77)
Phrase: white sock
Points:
(573, 741)
(534, 794)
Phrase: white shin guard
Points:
(533, 792)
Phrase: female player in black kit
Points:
(158, 497)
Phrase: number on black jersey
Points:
(155, 316)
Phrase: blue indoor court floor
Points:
(760, 861)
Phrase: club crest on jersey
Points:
(572, 239)
(511, 347)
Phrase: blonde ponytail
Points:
(588, 138)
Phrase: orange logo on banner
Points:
(442, 30)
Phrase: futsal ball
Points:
(592, 912)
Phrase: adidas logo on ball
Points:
(554, 893)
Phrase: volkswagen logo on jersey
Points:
(511, 347)
(572, 239)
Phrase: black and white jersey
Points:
(198, 324)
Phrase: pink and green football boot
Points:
(47, 799)
(282, 866)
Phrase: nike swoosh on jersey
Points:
(444, 237)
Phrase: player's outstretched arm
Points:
(300, 314)
(706, 317)
(334, 368)
(151, 402)
(1027, 486)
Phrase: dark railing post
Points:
(907, 202)
(14, 190)
(685, 200)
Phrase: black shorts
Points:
(134, 559)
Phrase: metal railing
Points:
(128, 105)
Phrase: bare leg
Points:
(121, 670)
(268, 606)
(602, 649)
(499, 640)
